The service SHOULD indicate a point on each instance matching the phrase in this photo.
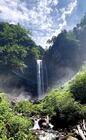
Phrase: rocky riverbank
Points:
(77, 132)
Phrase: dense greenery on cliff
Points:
(67, 53)
(18, 54)
(15, 45)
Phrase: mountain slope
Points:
(67, 54)
(18, 54)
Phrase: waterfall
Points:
(46, 77)
(40, 79)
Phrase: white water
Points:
(40, 79)
(36, 125)
(47, 136)
(46, 77)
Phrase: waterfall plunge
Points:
(40, 79)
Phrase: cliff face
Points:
(16, 81)
(29, 79)
(67, 54)
(62, 59)
(18, 54)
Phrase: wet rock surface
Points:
(45, 132)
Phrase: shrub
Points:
(62, 108)
(78, 87)
(28, 108)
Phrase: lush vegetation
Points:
(13, 126)
(60, 104)
(15, 46)
(67, 53)
(78, 87)
(18, 54)
(66, 105)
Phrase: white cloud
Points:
(42, 16)
(54, 29)
(64, 13)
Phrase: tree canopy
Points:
(15, 45)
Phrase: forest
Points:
(64, 101)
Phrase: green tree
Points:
(13, 56)
(78, 87)
(14, 34)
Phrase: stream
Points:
(43, 133)
(47, 135)
(44, 130)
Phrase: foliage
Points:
(49, 105)
(28, 108)
(36, 53)
(64, 55)
(78, 87)
(62, 105)
(13, 56)
(66, 105)
(14, 34)
(12, 125)
(24, 107)
(22, 136)
(15, 46)
(58, 104)
(67, 53)
(32, 136)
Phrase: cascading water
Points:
(40, 79)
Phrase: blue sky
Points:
(45, 18)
